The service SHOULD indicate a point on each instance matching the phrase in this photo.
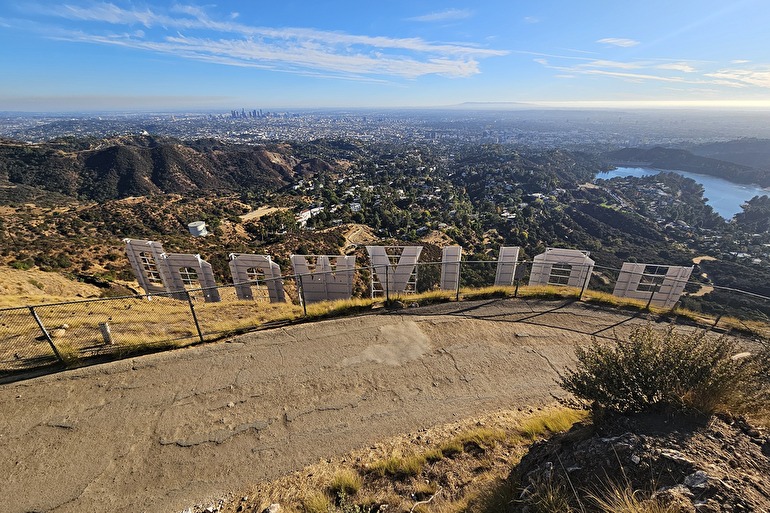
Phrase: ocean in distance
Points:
(724, 197)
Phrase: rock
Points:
(698, 479)
(709, 506)
(675, 456)
(677, 497)
(273, 508)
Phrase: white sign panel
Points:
(506, 266)
(567, 267)
(256, 273)
(450, 267)
(661, 285)
(145, 259)
(394, 269)
(189, 271)
(324, 277)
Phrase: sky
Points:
(80, 55)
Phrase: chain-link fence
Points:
(62, 334)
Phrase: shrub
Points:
(22, 265)
(656, 371)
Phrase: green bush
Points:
(22, 265)
(655, 371)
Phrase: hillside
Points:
(481, 197)
(748, 151)
(143, 165)
(683, 160)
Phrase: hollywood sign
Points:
(394, 271)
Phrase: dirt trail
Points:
(165, 431)
(357, 235)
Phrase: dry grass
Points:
(140, 325)
(616, 498)
(398, 466)
(346, 482)
(549, 496)
(460, 467)
(317, 502)
(327, 309)
(488, 293)
(549, 292)
(482, 436)
(607, 299)
(551, 421)
(451, 448)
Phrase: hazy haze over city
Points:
(85, 56)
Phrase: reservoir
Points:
(724, 197)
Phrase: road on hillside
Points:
(166, 431)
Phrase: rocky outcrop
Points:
(717, 464)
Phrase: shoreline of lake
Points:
(724, 196)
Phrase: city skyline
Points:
(84, 55)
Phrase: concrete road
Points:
(165, 431)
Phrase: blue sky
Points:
(123, 55)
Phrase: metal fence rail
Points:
(61, 334)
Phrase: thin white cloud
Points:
(531, 19)
(739, 61)
(633, 76)
(189, 32)
(677, 66)
(446, 15)
(744, 77)
(659, 70)
(555, 56)
(578, 51)
(613, 64)
(618, 41)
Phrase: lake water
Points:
(724, 197)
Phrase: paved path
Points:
(165, 431)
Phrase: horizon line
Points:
(468, 105)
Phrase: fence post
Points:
(459, 276)
(585, 284)
(649, 301)
(46, 334)
(302, 294)
(517, 276)
(387, 284)
(194, 315)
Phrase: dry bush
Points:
(656, 371)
